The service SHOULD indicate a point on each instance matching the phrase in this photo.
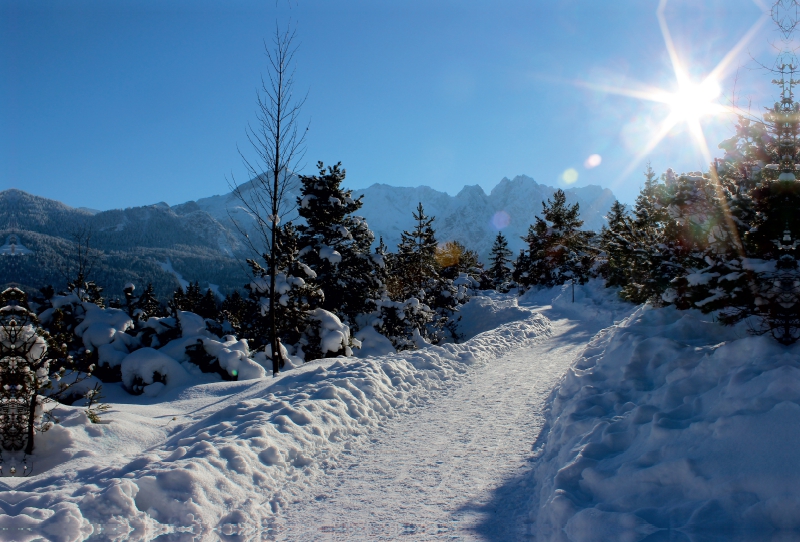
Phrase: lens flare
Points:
(569, 176)
(593, 161)
(691, 101)
(500, 220)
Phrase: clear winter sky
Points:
(109, 104)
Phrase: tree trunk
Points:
(31, 419)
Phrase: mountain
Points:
(201, 241)
(471, 217)
(138, 245)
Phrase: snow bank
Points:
(671, 421)
(236, 452)
(484, 312)
(586, 302)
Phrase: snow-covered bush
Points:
(326, 336)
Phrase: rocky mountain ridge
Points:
(199, 241)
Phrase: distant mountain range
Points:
(198, 240)
(471, 217)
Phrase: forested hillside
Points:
(128, 245)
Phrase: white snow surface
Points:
(206, 458)
(558, 420)
(670, 423)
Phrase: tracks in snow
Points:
(434, 474)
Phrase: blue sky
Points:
(116, 104)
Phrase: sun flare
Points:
(692, 102)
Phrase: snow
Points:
(167, 266)
(236, 452)
(484, 312)
(669, 420)
(372, 343)
(330, 254)
(582, 420)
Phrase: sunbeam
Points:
(691, 101)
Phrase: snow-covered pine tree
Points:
(558, 250)
(149, 304)
(750, 260)
(336, 245)
(500, 267)
(522, 263)
(612, 265)
(418, 271)
(397, 319)
(297, 296)
(641, 247)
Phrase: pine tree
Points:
(337, 245)
(613, 267)
(148, 304)
(207, 307)
(297, 295)
(558, 250)
(642, 248)
(193, 297)
(500, 264)
(418, 273)
(178, 301)
(236, 314)
(522, 264)
(416, 256)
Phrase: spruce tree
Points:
(148, 303)
(642, 248)
(419, 275)
(500, 264)
(297, 295)
(748, 264)
(416, 256)
(613, 267)
(558, 250)
(336, 245)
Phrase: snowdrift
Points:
(222, 457)
(671, 421)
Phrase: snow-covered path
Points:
(438, 472)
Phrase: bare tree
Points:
(279, 146)
(78, 266)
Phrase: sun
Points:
(693, 101)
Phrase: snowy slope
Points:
(671, 421)
(440, 474)
(471, 217)
(201, 457)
